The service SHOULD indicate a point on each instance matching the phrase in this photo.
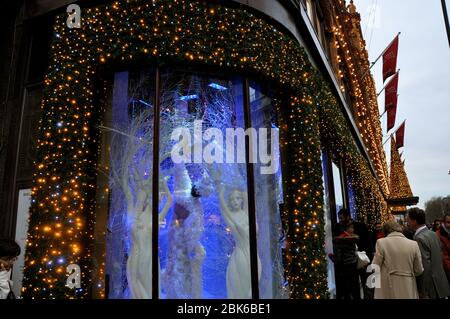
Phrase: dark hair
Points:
(195, 192)
(344, 211)
(417, 214)
(9, 248)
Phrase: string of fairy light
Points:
(399, 184)
(365, 101)
(400, 187)
(369, 201)
(62, 216)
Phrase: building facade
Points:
(87, 118)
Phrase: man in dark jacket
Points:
(432, 284)
(360, 229)
(345, 264)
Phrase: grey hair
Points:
(391, 226)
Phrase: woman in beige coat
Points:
(400, 262)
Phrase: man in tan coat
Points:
(400, 262)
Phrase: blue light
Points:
(217, 86)
(145, 103)
(60, 260)
(189, 97)
(59, 124)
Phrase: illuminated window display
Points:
(203, 234)
(328, 211)
(269, 195)
(106, 196)
(338, 191)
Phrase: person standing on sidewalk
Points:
(400, 263)
(432, 284)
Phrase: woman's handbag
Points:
(363, 259)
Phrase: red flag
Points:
(390, 59)
(390, 92)
(391, 113)
(400, 136)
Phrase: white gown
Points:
(139, 264)
(183, 273)
(239, 283)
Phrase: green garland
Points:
(183, 32)
(335, 131)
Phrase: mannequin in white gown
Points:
(235, 214)
(139, 263)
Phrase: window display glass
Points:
(269, 195)
(328, 229)
(339, 197)
(204, 229)
(128, 136)
(204, 244)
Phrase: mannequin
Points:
(235, 214)
(183, 273)
(139, 263)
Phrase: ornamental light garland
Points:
(180, 32)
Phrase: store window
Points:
(204, 238)
(269, 195)
(203, 192)
(328, 227)
(338, 189)
(126, 208)
(351, 198)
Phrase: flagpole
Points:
(447, 28)
(394, 132)
(376, 60)
(386, 110)
(387, 83)
(387, 139)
